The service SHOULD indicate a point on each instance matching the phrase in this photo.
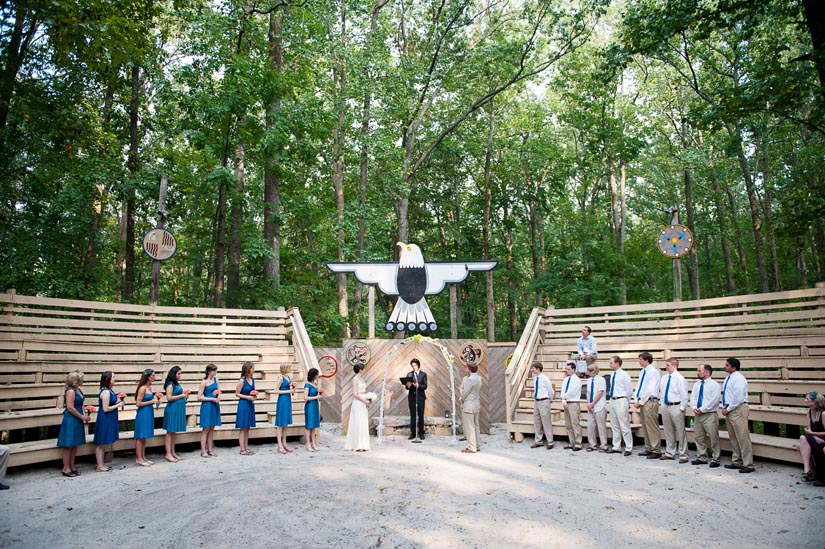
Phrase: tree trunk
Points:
(767, 184)
(220, 240)
(488, 205)
(619, 214)
(693, 263)
(512, 291)
(272, 193)
(722, 223)
(22, 33)
(236, 213)
(131, 195)
(736, 134)
(801, 264)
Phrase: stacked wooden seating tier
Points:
(779, 339)
(41, 340)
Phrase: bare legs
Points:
(140, 453)
(207, 435)
(243, 442)
(807, 458)
(69, 455)
(280, 434)
(100, 452)
(170, 448)
(311, 437)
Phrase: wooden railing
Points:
(518, 369)
(300, 340)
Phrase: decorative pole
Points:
(675, 241)
(158, 243)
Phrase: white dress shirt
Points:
(650, 389)
(678, 390)
(620, 384)
(594, 385)
(587, 346)
(711, 396)
(543, 388)
(734, 391)
(571, 389)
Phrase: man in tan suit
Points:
(470, 407)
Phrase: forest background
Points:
(552, 136)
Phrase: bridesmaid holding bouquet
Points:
(107, 427)
(210, 416)
(283, 412)
(72, 433)
(145, 400)
(245, 417)
(174, 415)
(312, 409)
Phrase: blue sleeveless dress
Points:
(210, 412)
(107, 428)
(283, 413)
(245, 418)
(174, 415)
(71, 429)
(145, 419)
(312, 409)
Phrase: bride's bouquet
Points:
(370, 397)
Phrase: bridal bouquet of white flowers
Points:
(370, 397)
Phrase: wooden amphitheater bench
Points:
(41, 340)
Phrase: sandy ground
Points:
(411, 495)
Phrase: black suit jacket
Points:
(422, 386)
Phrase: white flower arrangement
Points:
(370, 396)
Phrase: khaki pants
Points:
(469, 422)
(650, 426)
(597, 421)
(740, 437)
(572, 422)
(673, 419)
(706, 435)
(542, 420)
(620, 423)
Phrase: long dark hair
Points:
(209, 368)
(106, 379)
(246, 367)
(312, 374)
(144, 379)
(171, 377)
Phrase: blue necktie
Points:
(612, 385)
(667, 389)
(701, 394)
(591, 389)
(641, 383)
(566, 386)
(724, 389)
(537, 387)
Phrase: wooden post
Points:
(371, 307)
(677, 267)
(453, 312)
(153, 292)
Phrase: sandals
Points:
(809, 476)
(103, 470)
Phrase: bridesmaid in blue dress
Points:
(312, 410)
(72, 433)
(107, 428)
(283, 411)
(210, 415)
(245, 417)
(145, 399)
(174, 415)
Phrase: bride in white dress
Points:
(358, 432)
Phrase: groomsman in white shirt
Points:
(647, 398)
(621, 389)
(570, 398)
(735, 409)
(542, 397)
(673, 396)
(586, 346)
(704, 400)
(596, 411)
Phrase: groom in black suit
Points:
(417, 397)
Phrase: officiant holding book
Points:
(416, 383)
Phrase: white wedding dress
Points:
(358, 432)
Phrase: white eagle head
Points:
(410, 256)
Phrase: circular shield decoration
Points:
(357, 351)
(159, 244)
(675, 241)
(470, 355)
(328, 365)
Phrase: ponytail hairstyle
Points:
(144, 378)
(209, 368)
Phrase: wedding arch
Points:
(449, 358)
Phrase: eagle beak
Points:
(400, 244)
